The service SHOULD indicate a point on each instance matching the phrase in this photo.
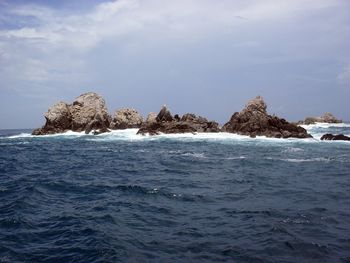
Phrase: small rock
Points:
(338, 137)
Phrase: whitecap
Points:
(21, 135)
(325, 125)
(292, 160)
(293, 149)
(196, 155)
(236, 158)
(131, 135)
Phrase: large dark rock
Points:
(126, 118)
(88, 112)
(254, 120)
(166, 123)
(338, 137)
(164, 115)
(326, 118)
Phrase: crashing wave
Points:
(317, 130)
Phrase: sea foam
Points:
(316, 130)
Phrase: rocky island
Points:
(254, 120)
(89, 113)
(326, 118)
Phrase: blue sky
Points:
(203, 56)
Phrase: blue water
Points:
(178, 198)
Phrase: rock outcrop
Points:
(126, 118)
(164, 122)
(152, 117)
(88, 112)
(254, 121)
(338, 137)
(58, 119)
(326, 118)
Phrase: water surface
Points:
(174, 198)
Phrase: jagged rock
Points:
(326, 118)
(58, 119)
(253, 120)
(338, 137)
(88, 112)
(151, 118)
(126, 118)
(165, 123)
(164, 115)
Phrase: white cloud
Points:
(54, 48)
(124, 17)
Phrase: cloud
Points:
(52, 45)
(177, 19)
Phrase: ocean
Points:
(122, 197)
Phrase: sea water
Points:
(174, 198)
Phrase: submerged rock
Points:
(164, 122)
(126, 118)
(338, 137)
(88, 112)
(326, 118)
(254, 120)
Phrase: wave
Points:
(28, 135)
(295, 160)
(325, 125)
(131, 135)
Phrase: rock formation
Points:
(152, 117)
(164, 122)
(338, 137)
(326, 118)
(126, 118)
(253, 120)
(88, 112)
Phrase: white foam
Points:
(236, 158)
(294, 160)
(325, 125)
(320, 159)
(195, 155)
(131, 135)
(21, 135)
(224, 136)
(293, 149)
(64, 134)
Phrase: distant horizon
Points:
(196, 56)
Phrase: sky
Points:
(208, 57)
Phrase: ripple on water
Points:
(193, 198)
